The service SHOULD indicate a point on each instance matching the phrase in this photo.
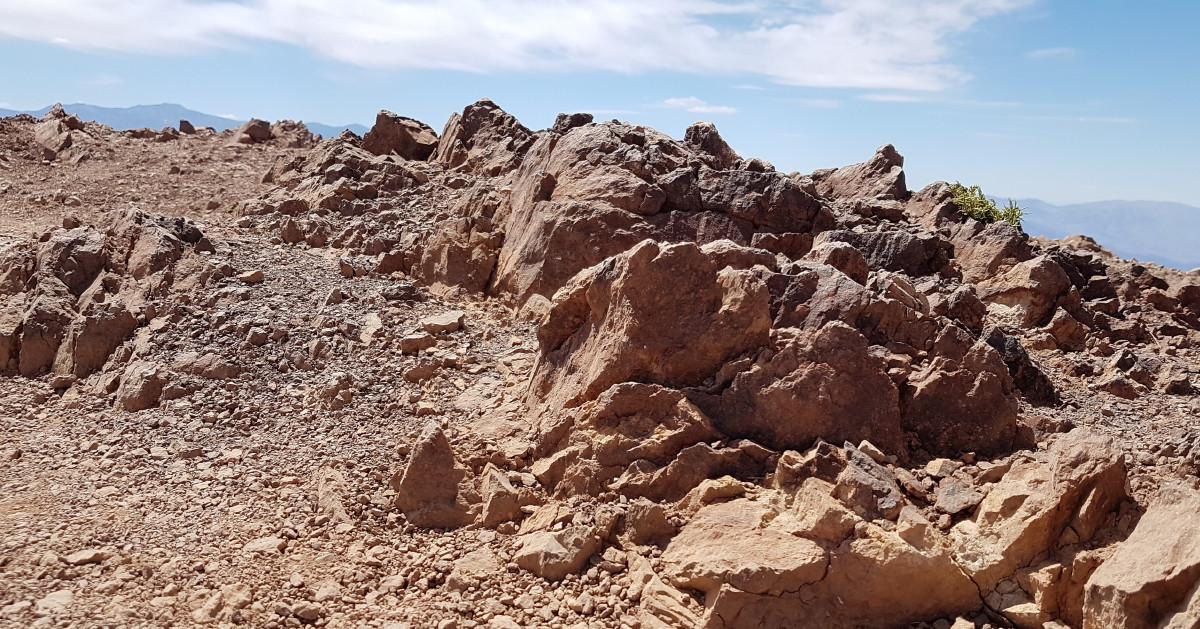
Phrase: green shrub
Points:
(973, 203)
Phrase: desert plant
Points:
(974, 203)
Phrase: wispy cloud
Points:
(608, 112)
(1107, 120)
(816, 103)
(1052, 54)
(697, 106)
(103, 80)
(1084, 119)
(867, 44)
(892, 98)
(749, 87)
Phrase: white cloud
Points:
(1052, 54)
(892, 98)
(816, 103)
(697, 106)
(103, 80)
(869, 44)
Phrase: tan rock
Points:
(1152, 578)
(1075, 484)
(727, 543)
(474, 568)
(433, 490)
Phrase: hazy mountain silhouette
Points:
(168, 115)
(1150, 231)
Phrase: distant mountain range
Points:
(167, 115)
(1149, 231)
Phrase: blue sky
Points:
(1068, 101)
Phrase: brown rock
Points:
(660, 314)
(474, 569)
(141, 386)
(843, 257)
(484, 139)
(881, 177)
(405, 137)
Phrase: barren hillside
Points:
(589, 376)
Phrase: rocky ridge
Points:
(584, 376)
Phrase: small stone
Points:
(446, 322)
(308, 611)
(416, 342)
(55, 602)
(251, 277)
(941, 468)
(266, 545)
(87, 556)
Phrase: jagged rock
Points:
(843, 257)
(1151, 579)
(597, 190)
(704, 138)
(405, 137)
(555, 554)
(53, 136)
(484, 139)
(1026, 294)
(895, 249)
(628, 423)
(820, 384)
(92, 336)
(881, 177)
(501, 500)
(141, 386)
(964, 402)
(462, 253)
(565, 122)
(434, 490)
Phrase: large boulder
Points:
(813, 384)
(728, 544)
(1027, 293)
(664, 314)
(461, 253)
(1153, 577)
(704, 138)
(405, 137)
(597, 190)
(896, 249)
